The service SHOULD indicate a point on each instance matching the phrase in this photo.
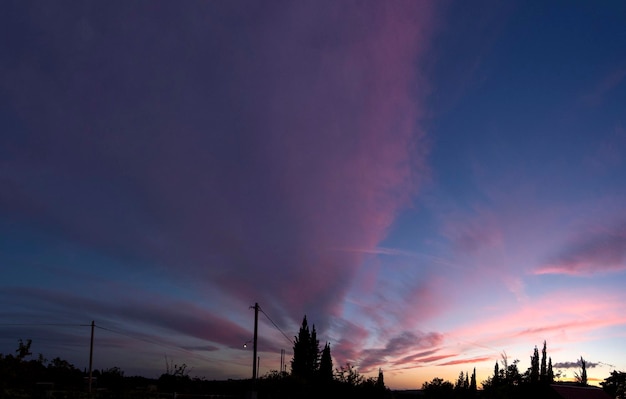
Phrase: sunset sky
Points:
(431, 183)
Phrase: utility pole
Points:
(91, 354)
(256, 326)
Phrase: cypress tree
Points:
(380, 382)
(583, 371)
(460, 382)
(543, 373)
(301, 351)
(550, 375)
(326, 365)
(314, 353)
(306, 353)
(496, 375)
(473, 381)
(534, 366)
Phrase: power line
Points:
(278, 328)
(129, 335)
(44, 325)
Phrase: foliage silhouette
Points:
(550, 373)
(20, 374)
(543, 372)
(615, 385)
(438, 388)
(305, 362)
(326, 365)
(581, 377)
(534, 367)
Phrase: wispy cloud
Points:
(202, 348)
(604, 86)
(472, 233)
(400, 253)
(398, 346)
(599, 250)
(574, 365)
(176, 317)
(472, 360)
(559, 316)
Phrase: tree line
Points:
(507, 381)
(312, 375)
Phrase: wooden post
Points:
(256, 326)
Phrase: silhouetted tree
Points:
(534, 367)
(314, 353)
(543, 372)
(380, 382)
(615, 385)
(23, 349)
(349, 375)
(582, 377)
(301, 349)
(513, 377)
(550, 373)
(504, 373)
(64, 374)
(438, 388)
(460, 382)
(473, 381)
(112, 379)
(326, 365)
(496, 375)
(302, 362)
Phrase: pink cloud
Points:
(472, 360)
(433, 359)
(233, 154)
(352, 339)
(343, 149)
(561, 316)
(413, 357)
(371, 359)
(420, 359)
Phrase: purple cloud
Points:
(179, 317)
(236, 152)
(398, 346)
(597, 251)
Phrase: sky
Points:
(433, 184)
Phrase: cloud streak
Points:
(288, 146)
(600, 250)
(398, 346)
(574, 365)
(472, 360)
